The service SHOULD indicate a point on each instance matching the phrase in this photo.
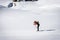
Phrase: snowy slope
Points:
(2, 6)
(17, 24)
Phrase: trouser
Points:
(37, 28)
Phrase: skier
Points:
(37, 23)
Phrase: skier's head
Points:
(36, 22)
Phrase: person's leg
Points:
(37, 28)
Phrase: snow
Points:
(2, 6)
(17, 24)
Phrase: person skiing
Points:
(37, 23)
